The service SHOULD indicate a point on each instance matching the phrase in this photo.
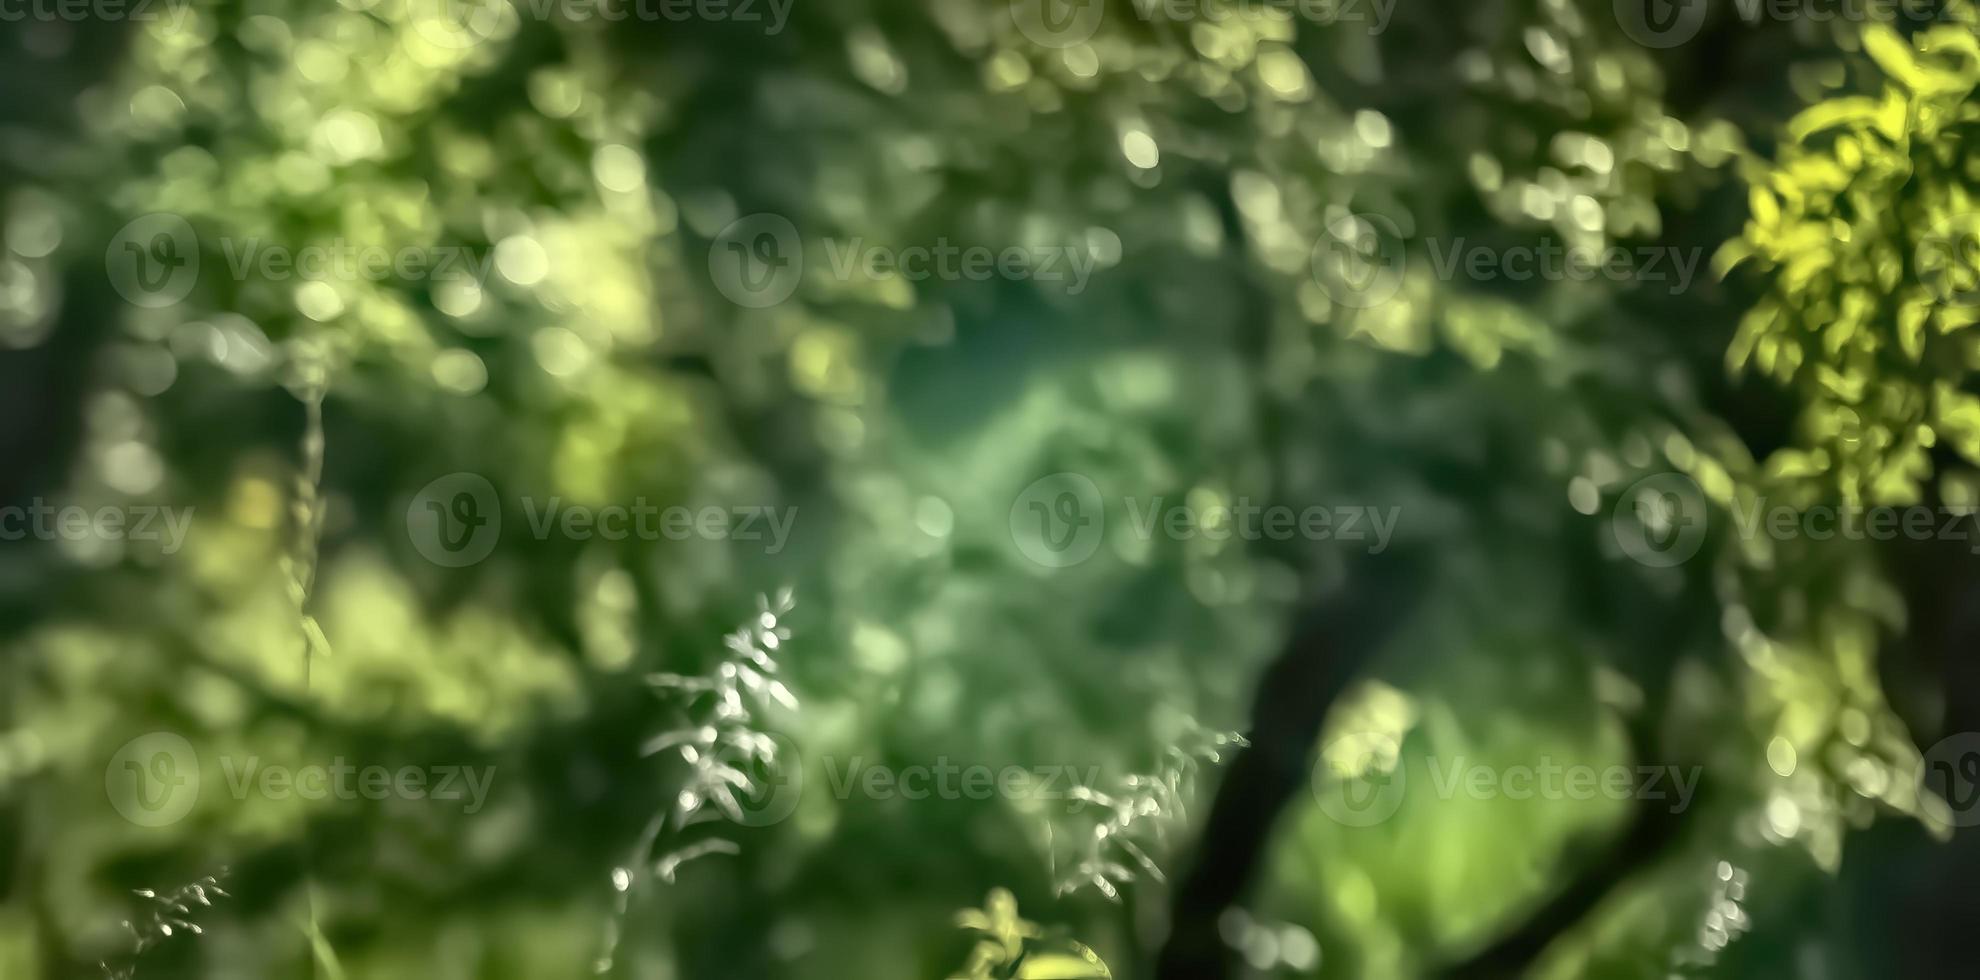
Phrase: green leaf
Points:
(1891, 54)
(1911, 329)
(1859, 109)
(1081, 964)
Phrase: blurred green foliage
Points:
(1219, 172)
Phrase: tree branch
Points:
(1328, 647)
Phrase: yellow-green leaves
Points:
(1766, 210)
(1012, 948)
(1953, 72)
(1911, 329)
(998, 920)
(1864, 226)
(1858, 110)
(1891, 54)
(1956, 415)
(1081, 964)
